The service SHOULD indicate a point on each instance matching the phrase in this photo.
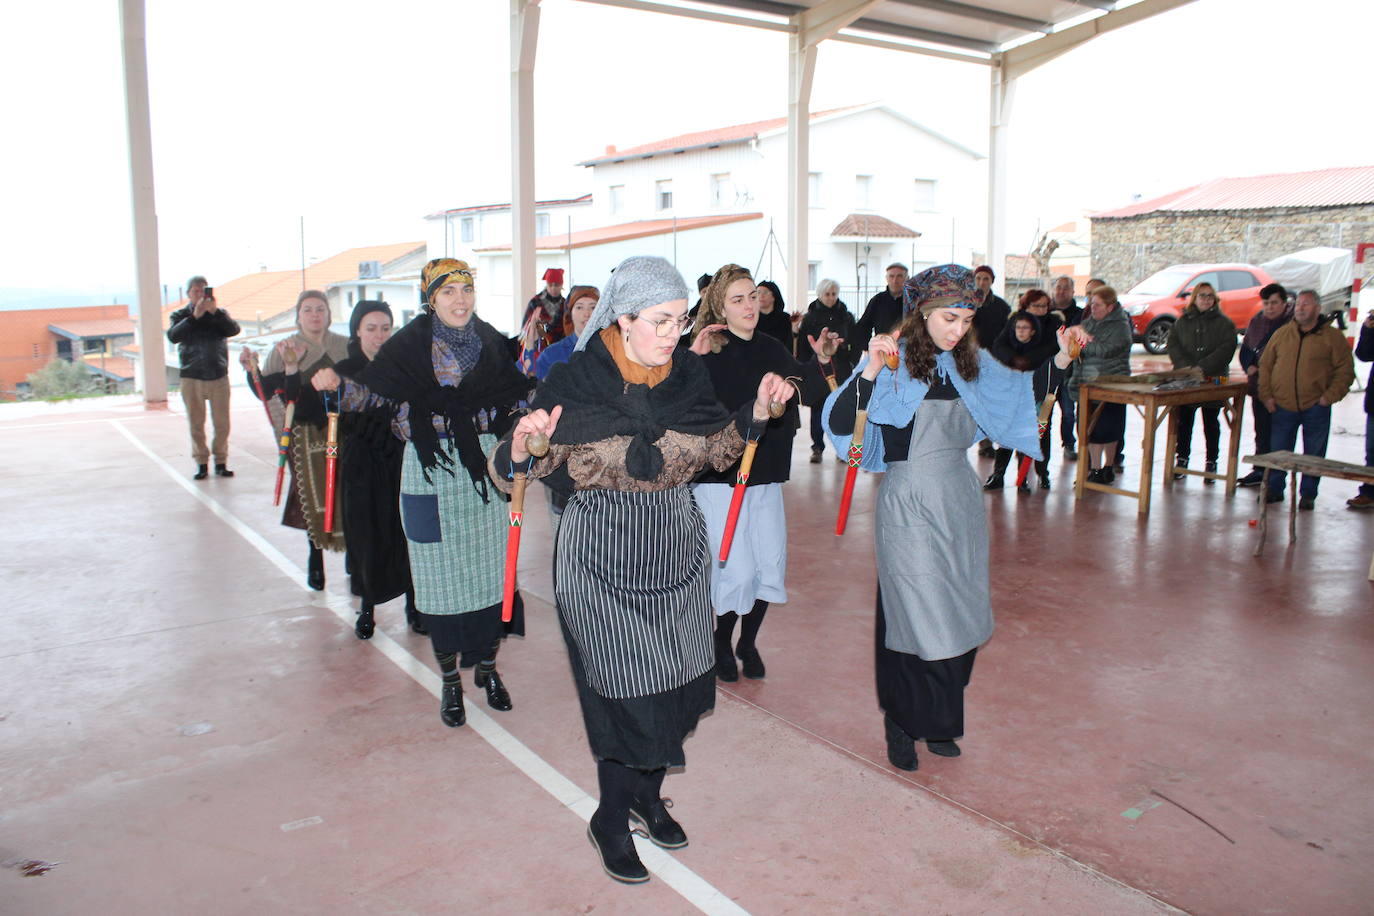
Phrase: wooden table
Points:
(1295, 464)
(1154, 407)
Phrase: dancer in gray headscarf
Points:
(632, 418)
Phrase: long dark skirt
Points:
(926, 698)
(1110, 425)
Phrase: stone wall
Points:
(1127, 250)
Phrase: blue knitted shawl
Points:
(1000, 400)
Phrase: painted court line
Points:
(695, 889)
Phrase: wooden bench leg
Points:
(1264, 512)
(1292, 506)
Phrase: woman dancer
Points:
(737, 355)
(632, 419)
(291, 365)
(934, 606)
(449, 379)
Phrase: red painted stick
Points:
(737, 498)
(856, 454)
(331, 470)
(1042, 421)
(283, 449)
(517, 517)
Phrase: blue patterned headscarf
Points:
(946, 286)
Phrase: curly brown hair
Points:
(921, 350)
(712, 309)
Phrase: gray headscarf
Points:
(636, 284)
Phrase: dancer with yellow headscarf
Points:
(450, 379)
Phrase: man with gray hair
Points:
(1306, 367)
(200, 330)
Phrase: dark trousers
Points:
(817, 432)
(1211, 431)
(1315, 423)
(1262, 425)
(1068, 420)
(1365, 488)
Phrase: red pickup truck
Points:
(1155, 303)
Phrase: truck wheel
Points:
(1157, 335)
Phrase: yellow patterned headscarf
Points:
(440, 272)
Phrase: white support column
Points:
(1000, 94)
(524, 37)
(801, 70)
(152, 366)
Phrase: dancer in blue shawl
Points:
(934, 608)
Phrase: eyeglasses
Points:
(667, 327)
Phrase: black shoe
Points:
(413, 619)
(658, 824)
(901, 747)
(451, 705)
(1024, 486)
(946, 748)
(994, 482)
(497, 696)
(1211, 468)
(202, 472)
(753, 662)
(816, 455)
(365, 626)
(618, 856)
(1180, 465)
(1274, 497)
(1253, 479)
(1106, 475)
(1094, 475)
(726, 669)
(314, 576)
(1307, 503)
(1070, 454)
(1044, 481)
(223, 471)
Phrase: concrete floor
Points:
(188, 729)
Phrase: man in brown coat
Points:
(1305, 369)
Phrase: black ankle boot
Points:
(752, 662)
(314, 576)
(994, 482)
(945, 748)
(1211, 468)
(617, 851)
(901, 747)
(663, 830)
(223, 471)
(365, 626)
(451, 709)
(497, 696)
(726, 669)
(1044, 480)
(202, 472)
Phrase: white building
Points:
(884, 188)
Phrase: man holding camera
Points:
(200, 330)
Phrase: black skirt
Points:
(1110, 425)
(926, 698)
(644, 733)
(474, 635)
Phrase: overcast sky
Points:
(364, 116)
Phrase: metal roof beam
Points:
(825, 19)
(1024, 58)
(981, 14)
(879, 27)
(913, 49)
(648, 6)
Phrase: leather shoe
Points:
(658, 824)
(202, 472)
(901, 747)
(618, 856)
(365, 626)
(1211, 468)
(1274, 497)
(994, 482)
(752, 666)
(1253, 479)
(946, 748)
(1360, 502)
(1044, 481)
(223, 471)
(816, 455)
(497, 696)
(1306, 504)
(451, 705)
(1180, 466)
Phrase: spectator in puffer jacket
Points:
(1203, 337)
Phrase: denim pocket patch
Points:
(420, 515)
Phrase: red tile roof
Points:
(114, 366)
(1322, 188)
(625, 231)
(26, 344)
(482, 208)
(94, 327)
(870, 225)
(719, 136)
(271, 292)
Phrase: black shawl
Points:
(598, 403)
(404, 371)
